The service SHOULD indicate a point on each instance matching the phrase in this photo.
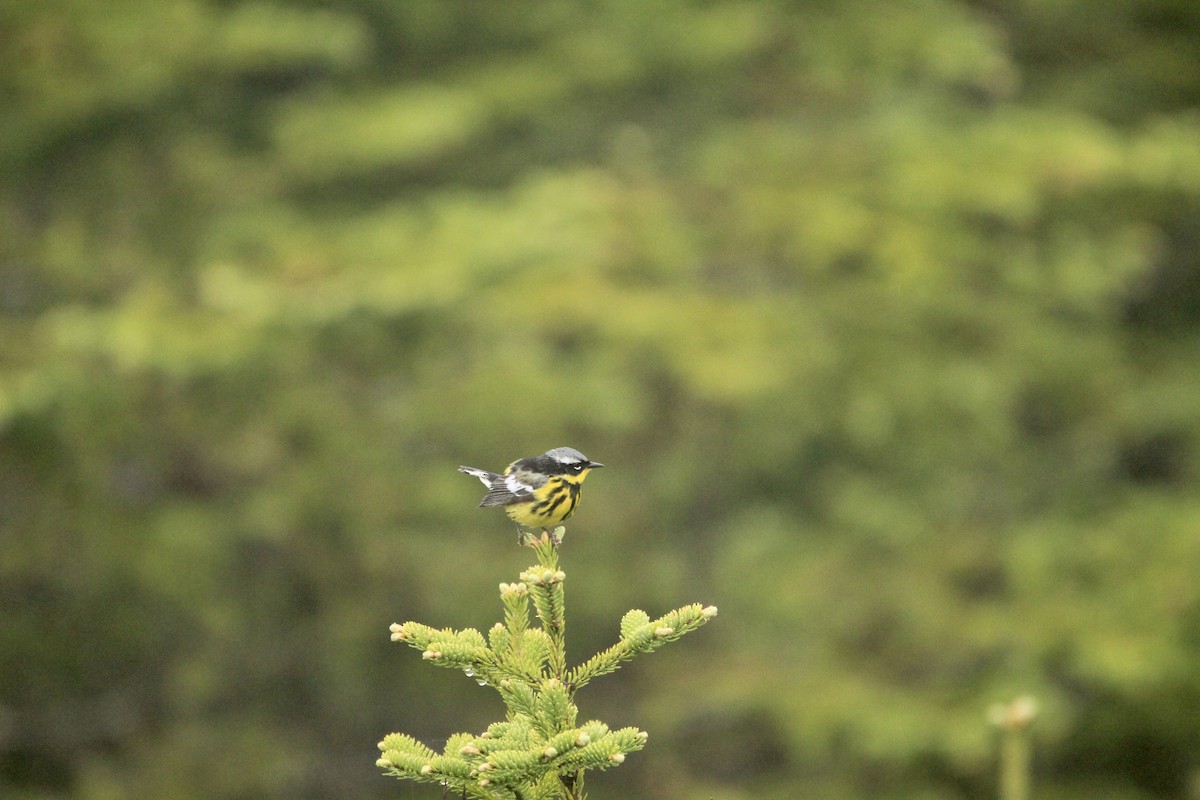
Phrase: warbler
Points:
(538, 491)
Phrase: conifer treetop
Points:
(539, 751)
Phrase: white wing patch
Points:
(517, 487)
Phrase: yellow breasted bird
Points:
(538, 491)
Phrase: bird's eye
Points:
(577, 467)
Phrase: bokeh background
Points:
(884, 316)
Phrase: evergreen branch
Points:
(546, 590)
(515, 597)
(644, 638)
(545, 583)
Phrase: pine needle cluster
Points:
(540, 751)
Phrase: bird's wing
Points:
(506, 490)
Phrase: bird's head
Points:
(569, 461)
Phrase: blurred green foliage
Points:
(884, 316)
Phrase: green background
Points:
(885, 318)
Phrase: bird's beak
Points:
(594, 464)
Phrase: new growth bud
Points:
(543, 577)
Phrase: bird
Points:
(537, 491)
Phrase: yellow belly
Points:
(551, 505)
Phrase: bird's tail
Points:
(485, 477)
